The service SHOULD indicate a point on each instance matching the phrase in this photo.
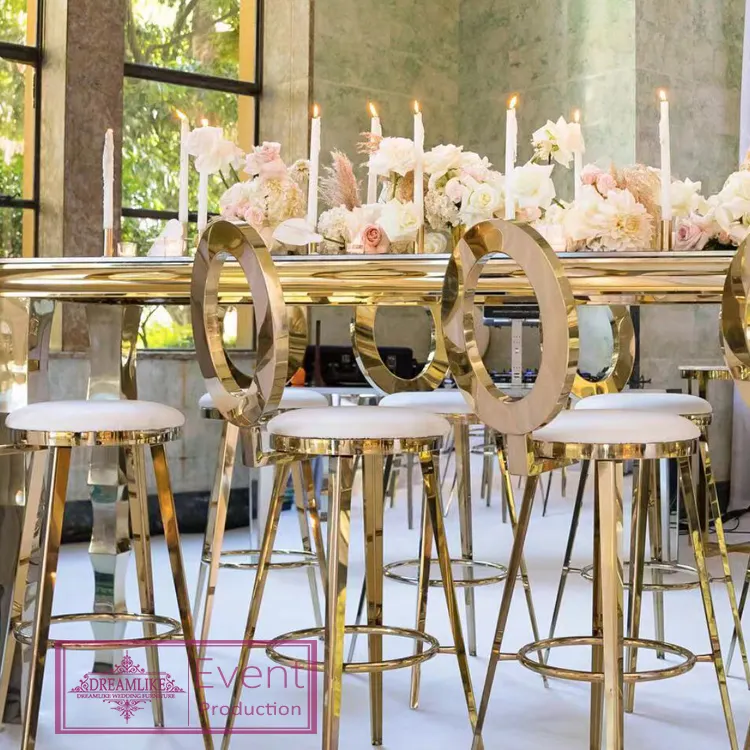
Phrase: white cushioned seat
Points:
(293, 398)
(665, 403)
(615, 427)
(438, 402)
(102, 415)
(358, 423)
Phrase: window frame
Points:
(30, 55)
(237, 87)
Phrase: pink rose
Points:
(273, 170)
(260, 155)
(255, 216)
(374, 240)
(605, 182)
(589, 174)
(689, 236)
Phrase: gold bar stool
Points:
(343, 434)
(607, 439)
(60, 427)
(451, 405)
(698, 411)
(213, 556)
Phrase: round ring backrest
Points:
(558, 325)
(242, 399)
(623, 358)
(376, 371)
(734, 320)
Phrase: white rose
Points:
(585, 218)
(480, 204)
(442, 159)
(475, 166)
(400, 221)
(393, 155)
(686, 197)
(435, 243)
(212, 152)
(532, 186)
(736, 186)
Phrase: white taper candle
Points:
(666, 158)
(418, 163)
(312, 188)
(372, 178)
(511, 150)
(108, 180)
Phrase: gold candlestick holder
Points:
(311, 248)
(665, 239)
(419, 242)
(109, 242)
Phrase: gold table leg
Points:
(423, 578)
(463, 472)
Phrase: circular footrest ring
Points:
(306, 559)
(432, 649)
(22, 631)
(666, 568)
(501, 575)
(527, 653)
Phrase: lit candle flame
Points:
(577, 116)
(373, 111)
(513, 102)
(316, 110)
(416, 107)
(663, 95)
(181, 115)
(204, 122)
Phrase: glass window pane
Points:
(16, 130)
(151, 140)
(16, 232)
(213, 37)
(18, 21)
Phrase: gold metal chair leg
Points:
(214, 535)
(35, 487)
(524, 571)
(339, 516)
(564, 481)
(50, 554)
(641, 500)
(172, 538)
(696, 537)
(463, 472)
(314, 514)
(596, 714)
(300, 495)
(484, 485)
(715, 510)
(741, 610)
(423, 578)
(575, 520)
(430, 474)
(546, 494)
(657, 554)
(280, 479)
(141, 542)
(514, 566)
(372, 493)
(410, 491)
(491, 484)
(609, 480)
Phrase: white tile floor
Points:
(684, 712)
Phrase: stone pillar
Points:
(287, 76)
(82, 82)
